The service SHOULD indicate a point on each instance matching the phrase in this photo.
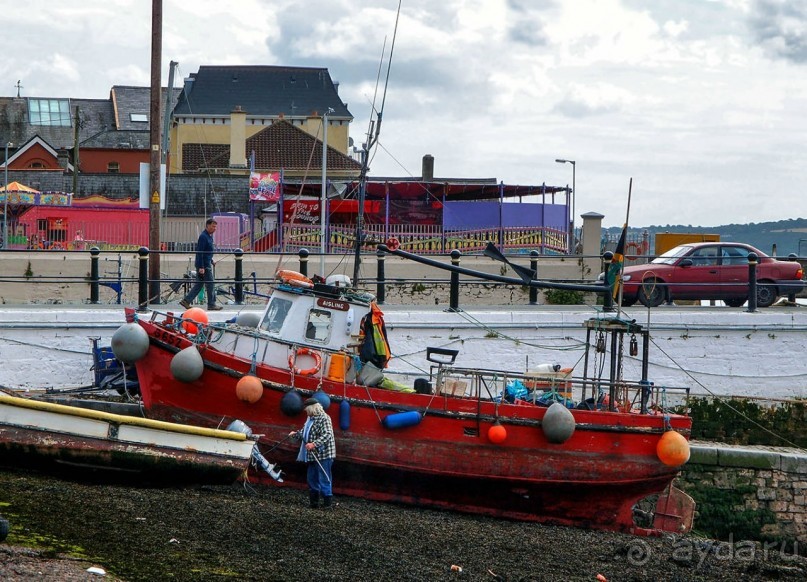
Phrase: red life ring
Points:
(293, 278)
(305, 371)
(638, 249)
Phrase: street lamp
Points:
(5, 203)
(574, 194)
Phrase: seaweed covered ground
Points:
(240, 533)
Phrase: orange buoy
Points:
(497, 434)
(194, 314)
(672, 449)
(249, 389)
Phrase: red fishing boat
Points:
(544, 445)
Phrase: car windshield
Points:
(671, 256)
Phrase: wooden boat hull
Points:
(87, 443)
(447, 459)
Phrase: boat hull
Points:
(92, 444)
(446, 460)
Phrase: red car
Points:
(711, 270)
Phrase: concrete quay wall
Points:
(712, 351)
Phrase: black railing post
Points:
(753, 259)
(380, 290)
(238, 291)
(94, 275)
(791, 297)
(454, 298)
(534, 266)
(303, 254)
(143, 279)
(607, 298)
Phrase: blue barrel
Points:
(344, 415)
(402, 419)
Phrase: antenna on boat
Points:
(372, 138)
(620, 252)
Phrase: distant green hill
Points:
(789, 236)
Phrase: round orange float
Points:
(194, 314)
(672, 449)
(497, 434)
(249, 389)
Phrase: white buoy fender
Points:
(248, 319)
(558, 424)
(187, 365)
(130, 342)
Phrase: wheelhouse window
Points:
(276, 314)
(318, 328)
(51, 112)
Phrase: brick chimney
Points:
(238, 138)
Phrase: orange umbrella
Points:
(17, 187)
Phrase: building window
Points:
(53, 112)
(139, 117)
(113, 168)
(36, 166)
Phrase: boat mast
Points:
(372, 138)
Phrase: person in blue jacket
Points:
(317, 450)
(204, 269)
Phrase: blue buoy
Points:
(402, 419)
(292, 403)
(344, 415)
(322, 398)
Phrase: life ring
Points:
(638, 249)
(294, 278)
(306, 371)
(393, 244)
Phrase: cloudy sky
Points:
(701, 102)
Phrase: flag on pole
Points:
(614, 278)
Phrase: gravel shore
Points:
(241, 533)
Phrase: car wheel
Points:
(766, 295)
(628, 301)
(651, 293)
(735, 302)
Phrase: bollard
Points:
(379, 289)
(303, 254)
(791, 297)
(238, 291)
(143, 279)
(94, 275)
(454, 298)
(534, 266)
(753, 259)
(608, 297)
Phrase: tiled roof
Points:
(281, 145)
(267, 91)
(114, 139)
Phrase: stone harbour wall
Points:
(749, 493)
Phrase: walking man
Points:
(317, 450)
(204, 269)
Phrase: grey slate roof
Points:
(127, 100)
(114, 139)
(96, 116)
(261, 91)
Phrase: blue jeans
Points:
(210, 290)
(320, 480)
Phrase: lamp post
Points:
(574, 195)
(5, 203)
(323, 195)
